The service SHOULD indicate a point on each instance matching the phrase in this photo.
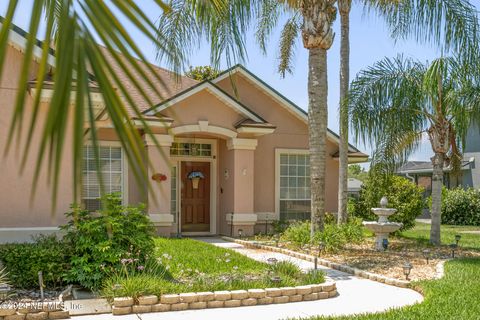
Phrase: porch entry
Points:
(195, 196)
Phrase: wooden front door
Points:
(195, 199)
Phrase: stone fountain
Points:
(382, 228)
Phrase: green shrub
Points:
(23, 261)
(461, 207)
(314, 276)
(100, 242)
(334, 237)
(401, 193)
(298, 233)
(286, 268)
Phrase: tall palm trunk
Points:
(437, 183)
(317, 121)
(317, 36)
(344, 8)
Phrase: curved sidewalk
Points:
(356, 295)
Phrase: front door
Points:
(195, 193)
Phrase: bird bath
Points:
(382, 228)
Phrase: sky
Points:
(370, 42)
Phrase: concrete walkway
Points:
(356, 295)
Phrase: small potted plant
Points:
(195, 176)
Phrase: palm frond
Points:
(447, 24)
(290, 33)
(78, 62)
(268, 12)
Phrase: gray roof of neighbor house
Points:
(427, 167)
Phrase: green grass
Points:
(186, 265)
(421, 232)
(455, 296)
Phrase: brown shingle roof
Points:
(171, 83)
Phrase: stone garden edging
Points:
(333, 265)
(33, 311)
(223, 299)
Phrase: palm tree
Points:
(72, 28)
(448, 24)
(225, 24)
(396, 101)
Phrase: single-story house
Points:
(247, 144)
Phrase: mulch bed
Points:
(389, 263)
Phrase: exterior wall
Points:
(15, 189)
(471, 178)
(291, 132)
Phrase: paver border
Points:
(223, 299)
(336, 266)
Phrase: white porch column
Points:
(158, 202)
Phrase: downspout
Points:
(410, 177)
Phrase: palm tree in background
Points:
(310, 20)
(396, 101)
(451, 25)
(71, 32)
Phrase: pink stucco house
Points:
(249, 147)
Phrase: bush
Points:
(334, 237)
(23, 261)
(102, 243)
(401, 193)
(461, 207)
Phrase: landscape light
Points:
(426, 254)
(453, 246)
(407, 268)
(240, 232)
(272, 261)
(457, 238)
(4, 290)
(321, 247)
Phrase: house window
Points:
(191, 149)
(294, 186)
(173, 198)
(111, 169)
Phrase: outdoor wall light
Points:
(4, 290)
(426, 254)
(240, 232)
(453, 247)
(407, 268)
(385, 244)
(457, 238)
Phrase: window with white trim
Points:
(191, 149)
(294, 186)
(111, 169)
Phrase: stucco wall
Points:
(291, 132)
(15, 189)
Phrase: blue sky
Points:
(370, 42)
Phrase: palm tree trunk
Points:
(344, 8)
(317, 120)
(437, 184)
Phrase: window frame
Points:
(278, 153)
(124, 173)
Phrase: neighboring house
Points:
(354, 186)
(249, 144)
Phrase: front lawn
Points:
(187, 265)
(453, 297)
(421, 233)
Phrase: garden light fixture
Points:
(453, 247)
(4, 290)
(407, 268)
(426, 254)
(315, 262)
(321, 247)
(240, 232)
(276, 279)
(457, 238)
(272, 261)
(276, 239)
